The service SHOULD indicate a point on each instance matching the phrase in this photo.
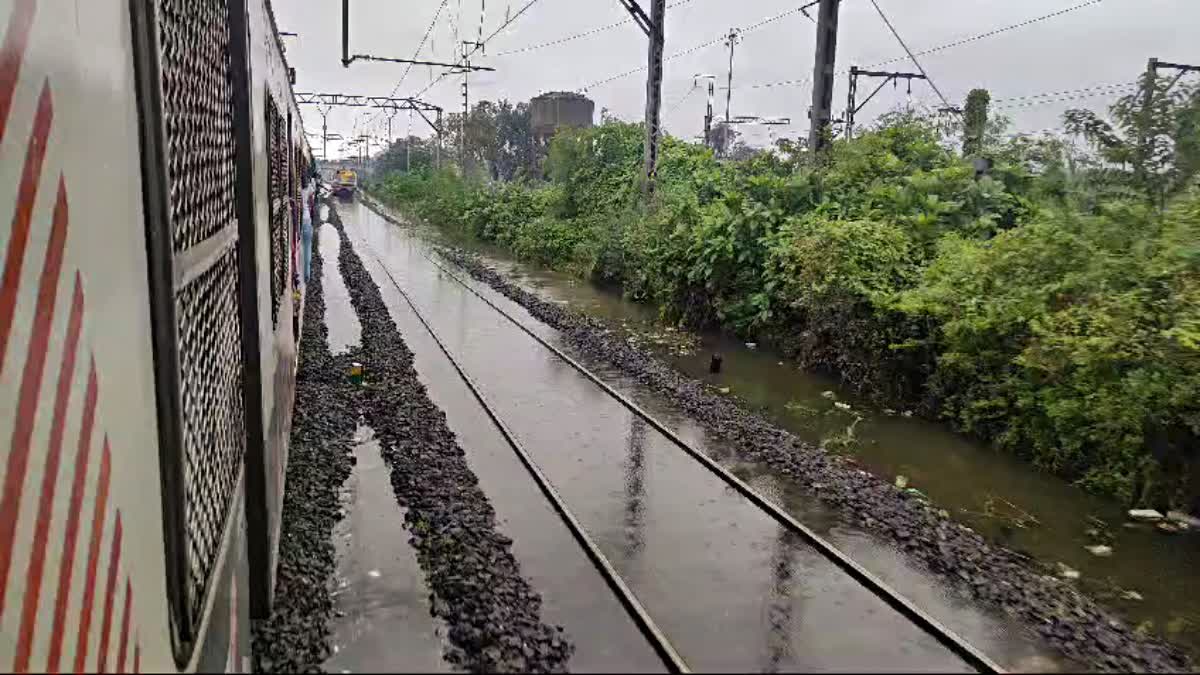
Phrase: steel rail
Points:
(946, 637)
(658, 640)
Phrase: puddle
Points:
(382, 621)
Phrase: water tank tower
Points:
(557, 109)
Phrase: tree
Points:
(723, 138)
(499, 139)
(975, 121)
(407, 154)
(1152, 143)
(514, 141)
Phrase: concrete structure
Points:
(554, 110)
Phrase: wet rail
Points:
(653, 634)
(948, 638)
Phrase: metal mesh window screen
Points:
(197, 105)
(198, 110)
(277, 167)
(214, 432)
(297, 164)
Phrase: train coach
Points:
(151, 155)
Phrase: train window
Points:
(189, 170)
(277, 190)
(213, 414)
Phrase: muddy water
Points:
(962, 475)
(344, 329)
(383, 622)
(729, 588)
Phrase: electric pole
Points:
(462, 122)
(822, 101)
(730, 40)
(408, 145)
(325, 129)
(652, 26)
(658, 10)
(852, 107)
(708, 112)
(1153, 65)
(462, 125)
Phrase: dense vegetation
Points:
(1050, 304)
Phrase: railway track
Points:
(657, 638)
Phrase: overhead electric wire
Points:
(576, 36)
(559, 41)
(689, 50)
(416, 53)
(1115, 91)
(676, 55)
(478, 46)
(992, 33)
(1063, 92)
(681, 100)
(908, 51)
(948, 45)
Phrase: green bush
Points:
(1028, 307)
(1073, 340)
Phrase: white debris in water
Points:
(1145, 515)
(1131, 595)
(841, 406)
(1100, 550)
(829, 395)
(752, 345)
(374, 574)
(1171, 528)
(1183, 518)
(1067, 572)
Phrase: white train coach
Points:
(151, 155)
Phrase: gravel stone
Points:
(1068, 620)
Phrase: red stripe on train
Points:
(31, 384)
(67, 566)
(114, 564)
(12, 53)
(37, 559)
(89, 584)
(27, 190)
(124, 644)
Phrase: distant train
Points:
(345, 183)
(151, 158)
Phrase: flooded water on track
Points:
(383, 623)
(724, 582)
(344, 329)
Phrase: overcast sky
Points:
(1104, 43)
